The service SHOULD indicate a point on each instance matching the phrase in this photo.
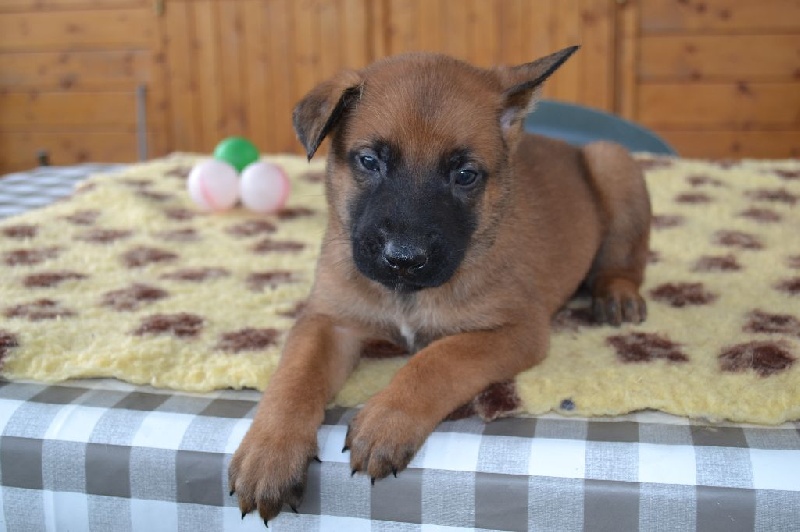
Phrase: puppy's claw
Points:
(294, 508)
(345, 449)
(394, 472)
(231, 493)
(266, 524)
(353, 472)
(316, 459)
(243, 514)
(372, 480)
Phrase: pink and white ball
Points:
(213, 185)
(264, 187)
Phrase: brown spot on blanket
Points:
(765, 322)
(30, 257)
(497, 400)
(693, 198)
(104, 236)
(179, 214)
(182, 325)
(290, 213)
(8, 341)
(251, 228)
(680, 295)
(48, 279)
(761, 215)
(737, 239)
(41, 309)
(717, 263)
(273, 246)
(21, 231)
(790, 286)
(83, 217)
(187, 234)
(765, 358)
(248, 339)
(665, 221)
(259, 280)
(143, 255)
(181, 172)
(133, 297)
(645, 347)
(779, 195)
(700, 180)
(196, 274)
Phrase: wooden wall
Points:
(239, 66)
(717, 78)
(68, 76)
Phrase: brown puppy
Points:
(451, 231)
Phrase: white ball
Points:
(264, 187)
(213, 185)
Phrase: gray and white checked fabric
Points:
(108, 456)
(103, 455)
(22, 191)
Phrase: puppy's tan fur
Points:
(550, 217)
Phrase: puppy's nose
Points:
(404, 258)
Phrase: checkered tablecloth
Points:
(107, 456)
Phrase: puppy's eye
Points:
(465, 178)
(370, 163)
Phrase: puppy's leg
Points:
(389, 430)
(618, 268)
(270, 467)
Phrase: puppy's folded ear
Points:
(522, 86)
(318, 112)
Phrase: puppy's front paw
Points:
(270, 469)
(383, 439)
(618, 301)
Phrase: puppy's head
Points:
(419, 165)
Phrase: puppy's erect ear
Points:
(318, 112)
(522, 86)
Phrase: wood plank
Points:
(403, 29)
(721, 105)
(453, 27)
(46, 110)
(483, 32)
(18, 149)
(429, 37)
(512, 39)
(182, 81)
(207, 57)
(233, 71)
(378, 29)
(82, 70)
(566, 83)
(353, 26)
(720, 15)
(715, 57)
(331, 40)
(158, 101)
(305, 21)
(627, 45)
(735, 144)
(41, 5)
(282, 89)
(596, 56)
(259, 75)
(73, 30)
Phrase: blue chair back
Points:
(580, 125)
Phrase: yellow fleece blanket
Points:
(126, 279)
